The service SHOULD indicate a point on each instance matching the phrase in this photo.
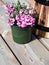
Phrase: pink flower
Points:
(7, 13)
(17, 17)
(18, 23)
(32, 20)
(31, 11)
(12, 14)
(25, 11)
(21, 20)
(21, 11)
(9, 8)
(24, 20)
(27, 18)
(22, 17)
(23, 25)
(5, 7)
(11, 21)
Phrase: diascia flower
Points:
(21, 20)
(29, 20)
(20, 15)
(7, 13)
(26, 11)
(21, 11)
(9, 9)
(11, 21)
(25, 20)
(31, 11)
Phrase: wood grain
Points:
(23, 52)
(6, 57)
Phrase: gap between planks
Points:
(10, 49)
(28, 57)
(43, 42)
(7, 57)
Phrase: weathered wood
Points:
(36, 46)
(6, 57)
(23, 53)
(40, 50)
(45, 42)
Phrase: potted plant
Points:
(21, 19)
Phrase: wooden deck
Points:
(6, 57)
(35, 52)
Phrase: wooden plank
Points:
(22, 52)
(6, 57)
(40, 50)
(45, 42)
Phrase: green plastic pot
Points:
(21, 35)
